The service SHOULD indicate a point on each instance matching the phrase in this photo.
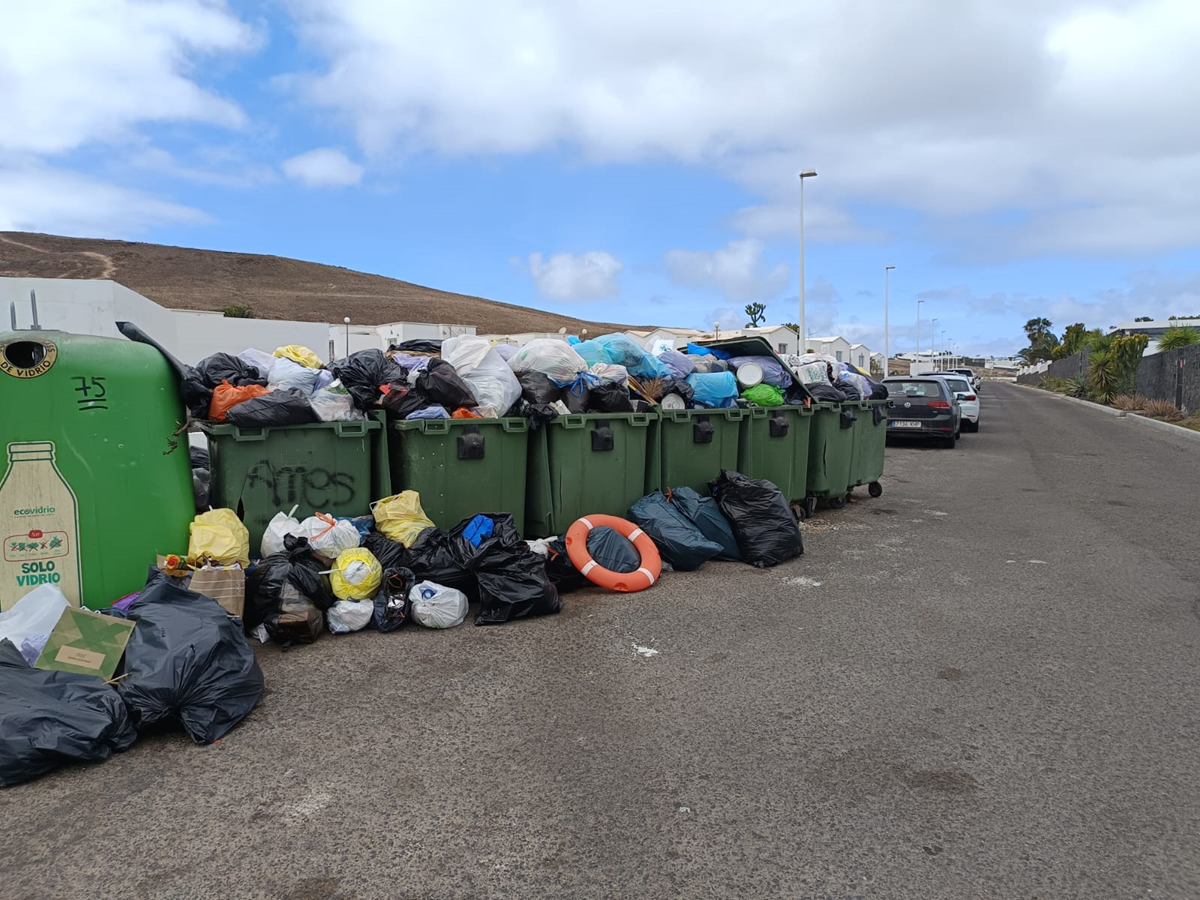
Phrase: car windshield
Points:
(916, 388)
(959, 384)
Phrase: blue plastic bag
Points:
(717, 390)
(624, 351)
(679, 541)
(429, 412)
(707, 516)
(677, 364)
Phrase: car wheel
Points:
(950, 443)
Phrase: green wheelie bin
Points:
(582, 465)
(830, 454)
(338, 468)
(690, 447)
(461, 467)
(870, 444)
(774, 444)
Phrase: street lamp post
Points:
(346, 321)
(932, 342)
(919, 302)
(807, 173)
(943, 347)
(886, 355)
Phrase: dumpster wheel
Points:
(799, 511)
(837, 501)
(810, 507)
(875, 489)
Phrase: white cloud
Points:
(737, 271)
(323, 167)
(570, 276)
(1062, 108)
(39, 198)
(85, 73)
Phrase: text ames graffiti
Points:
(310, 487)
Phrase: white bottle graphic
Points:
(39, 524)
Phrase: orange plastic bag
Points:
(463, 413)
(226, 397)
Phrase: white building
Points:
(95, 306)
(380, 337)
(781, 338)
(835, 346)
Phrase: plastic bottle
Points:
(39, 523)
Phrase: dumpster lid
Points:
(752, 346)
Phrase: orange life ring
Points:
(638, 580)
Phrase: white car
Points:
(969, 374)
(968, 398)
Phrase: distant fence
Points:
(1159, 376)
(1059, 368)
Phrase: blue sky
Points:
(637, 162)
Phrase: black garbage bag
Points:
(195, 393)
(537, 414)
(419, 346)
(560, 570)
(766, 530)
(391, 554)
(402, 401)
(363, 373)
(608, 396)
(287, 593)
(612, 550)
(704, 513)
(879, 390)
(227, 367)
(441, 385)
(577, 398)
(444, 558)
(187, 662)
(275, 408)
(202, 489)
(48, 719)
(199, 457)
(679, 541)
(682, 388)
(512, 578)
(392, 604)
(826, 392)
(539, 389)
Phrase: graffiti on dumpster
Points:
(312, 488)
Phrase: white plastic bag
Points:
(34, 614)
(288, 375)
(260, 359)
(335, 404)
(327, 535)
(555, 359)
(281, 525)
(349, 615)
(435, 606)
(488, 376)
(609, 372)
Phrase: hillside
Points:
(274, 286)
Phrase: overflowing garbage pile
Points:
(79, 685)
(827, 378)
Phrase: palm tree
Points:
(1036, 330)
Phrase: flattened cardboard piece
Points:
(86, 643)
(226, 586)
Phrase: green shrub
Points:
(1162, 409)
(1178, 336)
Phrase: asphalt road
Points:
(981, 685)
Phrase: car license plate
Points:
(908, 424)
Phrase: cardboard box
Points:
(226, 586)
(86, 643)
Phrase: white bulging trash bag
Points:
(487, 375)
(435, 606)
(557, 360)
(329, 538)
(288, 375)
(281, 525)
(349, 615)
(334, 403)
(260, 359)
(34, 614)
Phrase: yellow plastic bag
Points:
(220, 536)
(299, 354)
(400, 517)
(356, 574)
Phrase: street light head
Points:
(885, 268)
(808, 173)
(346, 320)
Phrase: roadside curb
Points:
(1166, 426)
(1121, 414)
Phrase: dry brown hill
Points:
(273, 286)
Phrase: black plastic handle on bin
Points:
(702, 432)
(848, 418)
(602, 436)
(470, 443)
(779, 425)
